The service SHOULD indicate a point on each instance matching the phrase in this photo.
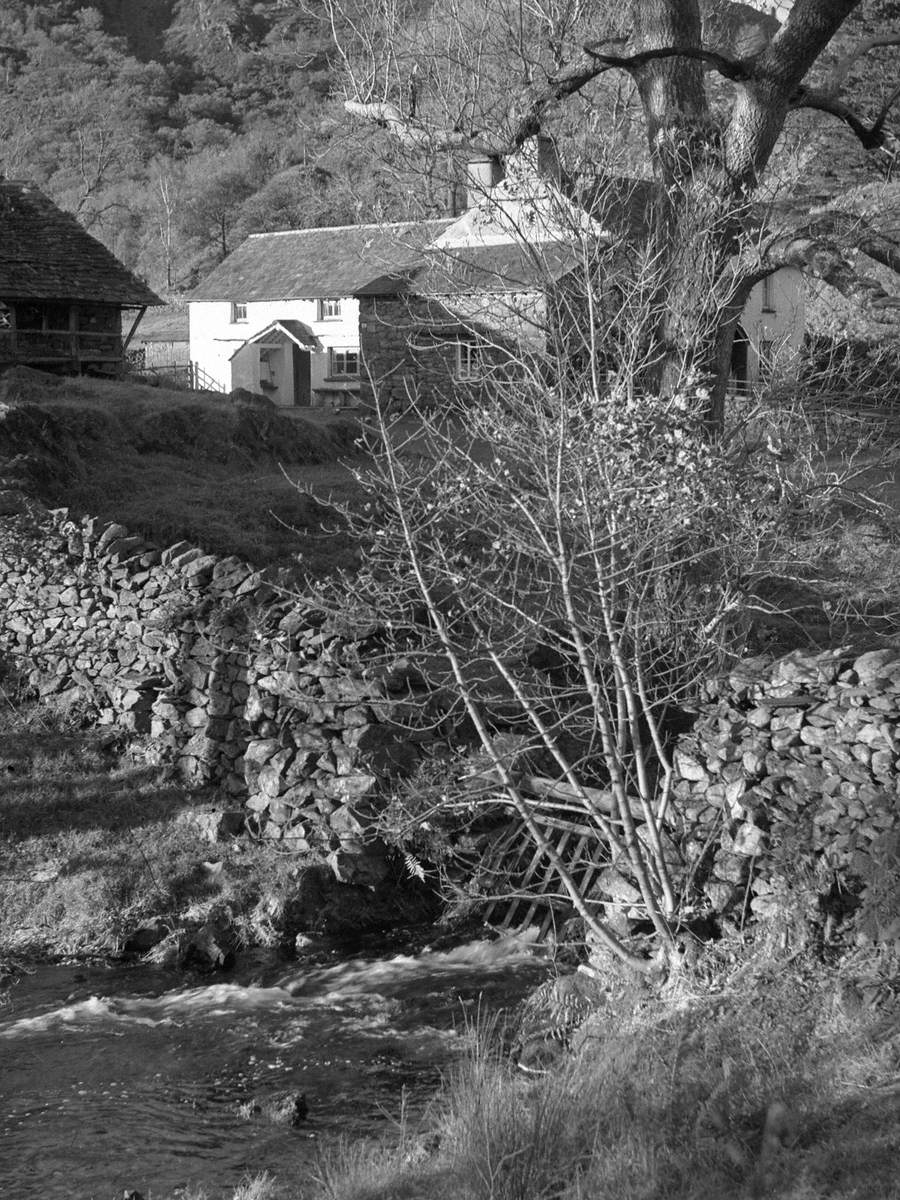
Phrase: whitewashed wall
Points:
(215, 338)
(783, 328)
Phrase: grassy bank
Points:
(96, 842)
(766, 1078)
(233, 478)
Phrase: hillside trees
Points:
(714, 86)
(76, 116)
(221, 127)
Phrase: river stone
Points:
(210, 948)
(146, 936)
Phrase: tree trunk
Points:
(706, 173)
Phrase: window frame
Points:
(768, 294)
(325, 303)
(334, 371)
(470, 366)
(239, 312)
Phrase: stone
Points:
(210, 948)
(613, 884)
(874, 664)
(110, 534)
(350, 787)
(688, 767)
(214, 824)
(721, 895)
(172, 552)
(259, 752)
(146, 936)
(749, 840)
(366, 867)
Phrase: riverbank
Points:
(756, 1070)
(103, 852)
(753, 1074)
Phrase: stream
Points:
(116, 1077)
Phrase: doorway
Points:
(302, 389)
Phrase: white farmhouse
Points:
(427, 303)
(279, 316)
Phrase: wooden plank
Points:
(548, 875)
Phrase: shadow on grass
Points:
(853, 1149)
(37, 805)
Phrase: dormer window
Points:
(329, 310)
(238, 312)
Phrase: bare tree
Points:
(714, 83)
(565, 558)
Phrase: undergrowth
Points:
(763, 1084)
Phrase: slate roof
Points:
(498, 268)
(46, 255)
(302, 264)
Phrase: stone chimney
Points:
(482, 173)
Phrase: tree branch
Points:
(809, 27)
(872, 137)
(835, 83)
(739, 70)
(823, 248)
(563, 83)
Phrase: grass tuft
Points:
(758, 1085)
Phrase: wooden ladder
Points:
(535, 898)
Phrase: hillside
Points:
(174, 128)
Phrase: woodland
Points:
(174, 128)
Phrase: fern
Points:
(413, 867)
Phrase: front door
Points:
(302, 392)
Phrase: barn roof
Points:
(313, 263)
(45, 254)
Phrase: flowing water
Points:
(115, 1078)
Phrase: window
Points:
(469, 361)
(238, 312)
(329, 310)
(344, 364)
(6, 316)
(768, 294)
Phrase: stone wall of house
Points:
(788, 791)
(219, 666)
(407, 351)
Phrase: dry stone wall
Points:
(223, 670)
(788, 790)
(790, 772)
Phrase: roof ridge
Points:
(343, 228)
